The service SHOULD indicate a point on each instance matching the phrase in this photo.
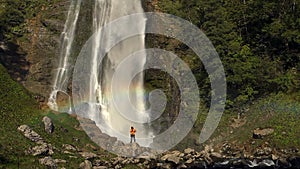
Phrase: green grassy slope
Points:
(280, 112)
(18, 107)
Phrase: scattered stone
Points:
(260, 133)
(30, 134)
(171, 157)
(86, 165)
(189, 161)
(60, 161)
(49, 162)
(68, 152)
(99, 167)
(44, 149)
(216, 157)
(49, 127)
(88, 155)
(189, 151)
(274, 157)
(182, 166)
(69, 147)
(91, 146)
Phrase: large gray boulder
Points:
(49, 127)
(43, 149)
(30, 134)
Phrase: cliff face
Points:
(31, 57)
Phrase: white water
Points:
(116, 125)
(100, 104)
(62, 74)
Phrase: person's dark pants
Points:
(132, 137)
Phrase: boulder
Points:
(189, 161)
(171, 158)
(86, 165)
(43, 149)
(60, 161)
(216, 157)
(261, 133)
(88, 155)
(129, 150)
(30, 134)
(189, 151)
(49, 127)
(49, 162)
(69, 147)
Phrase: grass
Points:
(18, 107)
(278, 111)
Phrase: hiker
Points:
(132, 134)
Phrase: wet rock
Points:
(295, 161)
(30, 134)
(283, 162)
(86, 165)
(49, 127)
(216, 157)
(260, 133)
(49, 162)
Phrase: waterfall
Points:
(115, 124)
(94, 99)
(62, 75)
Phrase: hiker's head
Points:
(131, 127)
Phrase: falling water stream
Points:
(63, 72)
(97, 102)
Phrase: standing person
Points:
(132, 134)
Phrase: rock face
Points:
(49, 127)
(261, 133)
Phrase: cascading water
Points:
(62, 74)
(96, 99)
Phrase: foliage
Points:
(257, 41)
(13, 16)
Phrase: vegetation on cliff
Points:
(257, 41)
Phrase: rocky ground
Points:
(133, 155)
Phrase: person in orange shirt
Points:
(132, 134)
